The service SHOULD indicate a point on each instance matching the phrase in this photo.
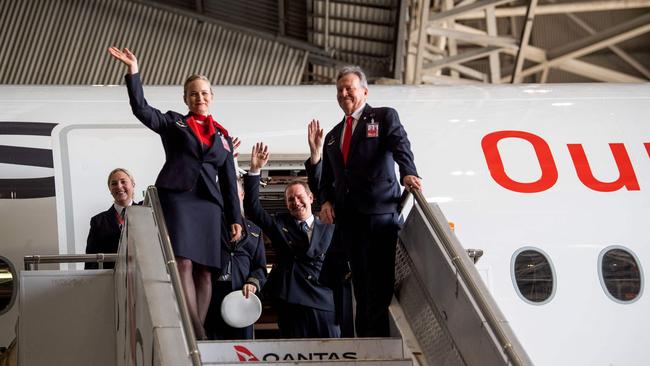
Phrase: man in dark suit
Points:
(336, 269)
(360, 191)
(105, 227)
(243, 267)
(304, 304)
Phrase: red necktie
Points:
(347, 136)
(120, 217)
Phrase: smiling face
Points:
(121, 187)
(298, 201)
(198, 96)
(350, 94)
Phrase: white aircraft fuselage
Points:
(562, 169)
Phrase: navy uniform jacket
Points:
(368, 182)
(247, 257)
(335, 267)
(104, 236)
(185, 160)
(295, 278)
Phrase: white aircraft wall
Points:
(571, 223)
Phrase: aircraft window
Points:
(8, 282)
(532, 274)
(620, 274)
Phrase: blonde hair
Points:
(191, 79)
(108, 182)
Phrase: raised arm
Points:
(252, 205)
(326, 189)
(315, 140)
(149, 116)
(313, 165)
(126, 57)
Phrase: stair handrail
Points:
(510, 345)
(151, 199)
(32, 261)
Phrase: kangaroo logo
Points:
(244, 354)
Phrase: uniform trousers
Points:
(299, 321)
(371, 240)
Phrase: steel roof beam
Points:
(493, 59)
(422, 41)
(596, 72)
(609, 36)
(460, 58)
(594, 43)
(458, 11)
(525, 38)
(565, 58)
(452, 46)
(548, 9)
(478, 39)
(469, 72)
(617, 50)
(582, 68)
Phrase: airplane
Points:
(551, 182)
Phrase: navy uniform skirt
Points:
(194, 223)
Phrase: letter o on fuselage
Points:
(497, 170)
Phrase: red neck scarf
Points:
(205, 131)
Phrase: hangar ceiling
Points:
(458, 41)
(497, 41)
(275, 42)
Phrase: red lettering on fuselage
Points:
(498, 172)
(627, 178)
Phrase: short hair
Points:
(193, 77)
(297, 182)
(356, 70)
(108, 181)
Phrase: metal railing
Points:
(32, 261)
(151, 199)
(507, 341)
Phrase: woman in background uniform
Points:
(105, 227)
(197, 183)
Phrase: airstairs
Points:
(136, 315)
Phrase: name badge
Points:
(225, 143)
(372, 129)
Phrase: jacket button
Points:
(232, 254)
(309, 277)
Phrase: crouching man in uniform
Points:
(243, 267)
(305, 306)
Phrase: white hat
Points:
(240, 312)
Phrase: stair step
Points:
(402, 362)
(307, 350)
